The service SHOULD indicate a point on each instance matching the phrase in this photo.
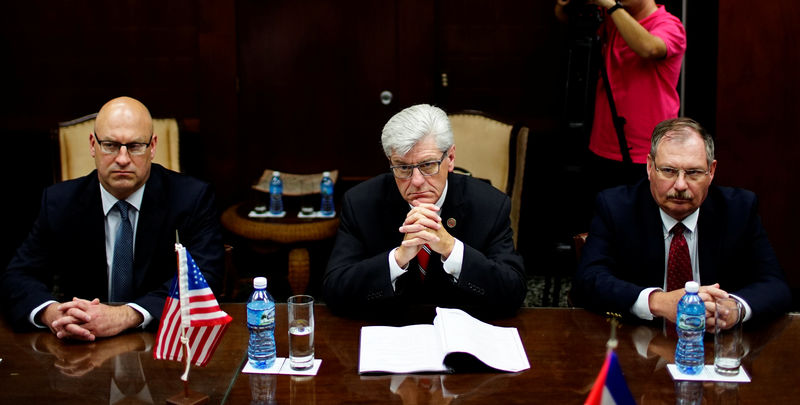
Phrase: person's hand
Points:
(665, 304)
(423, 226)
(65, 319)
(108, 320)
(728, 317)
(603, 3)
(86, 320)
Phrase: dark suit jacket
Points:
(64, 255)
(492, 280)
(624, 252)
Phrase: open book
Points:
(454, 342)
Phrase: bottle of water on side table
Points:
(326, 190)
(690, 326)
(276, 193)
(261, 323)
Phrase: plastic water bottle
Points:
(691, 325)
(261, 322)
(276, 193)
(326, 190)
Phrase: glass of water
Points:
(728, 347)
(301, 331)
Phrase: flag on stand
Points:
(610, 387)
(191, 312)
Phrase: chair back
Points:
(73, 146)
(579, 240)
(493, 150)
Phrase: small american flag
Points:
(191, 311)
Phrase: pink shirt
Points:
(644, 90)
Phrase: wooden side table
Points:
(289, 230)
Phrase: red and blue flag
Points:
(610, 387)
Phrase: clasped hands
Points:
(423, 225)
(665, 304)
(81, 319)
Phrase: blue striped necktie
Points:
(122, 266)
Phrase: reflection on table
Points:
(566, 348)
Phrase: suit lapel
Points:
(453, 206)
(654, 236)
(709, 234)
(150, 225)
(91, 208)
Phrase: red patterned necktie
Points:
(423, 256)
(679, 265)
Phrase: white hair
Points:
(406, 128)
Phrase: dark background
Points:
(296, 85)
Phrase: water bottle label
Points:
(691, 322)
(260, 317)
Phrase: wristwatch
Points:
(614, 8)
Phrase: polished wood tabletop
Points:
(565, 347)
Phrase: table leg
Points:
(299, 270)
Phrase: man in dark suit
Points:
(422, 234)
(626, 264)
(72, 254)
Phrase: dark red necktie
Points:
(679, 265)
(423, 256)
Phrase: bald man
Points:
(63, 276)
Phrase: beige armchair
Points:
(492, 150)
(73, 145)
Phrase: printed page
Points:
(406, 349)
(499, 348)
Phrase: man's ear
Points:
(451, 155)
(91, 144)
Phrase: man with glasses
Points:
(109, 237)
(647, 240)
(421, 234)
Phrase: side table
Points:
(289, 230)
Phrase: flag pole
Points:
(612, 342)
(187, 397)
(185, 343)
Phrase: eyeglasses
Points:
(425, 168)
(671, 173)
(134, 148)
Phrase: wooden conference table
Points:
(565, 347)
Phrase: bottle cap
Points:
(692, 286)
(276, 173)
(260, 282)
(326, 174)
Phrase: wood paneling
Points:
(758, 115)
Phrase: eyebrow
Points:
(404, 163)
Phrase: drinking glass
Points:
(728, 348)
(301, 331)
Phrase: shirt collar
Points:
(109, 200)
(668, 222)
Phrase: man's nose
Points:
(123, 158)
(416, 177)
(680, 182)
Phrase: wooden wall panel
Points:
(63, 60)
(759, 113)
